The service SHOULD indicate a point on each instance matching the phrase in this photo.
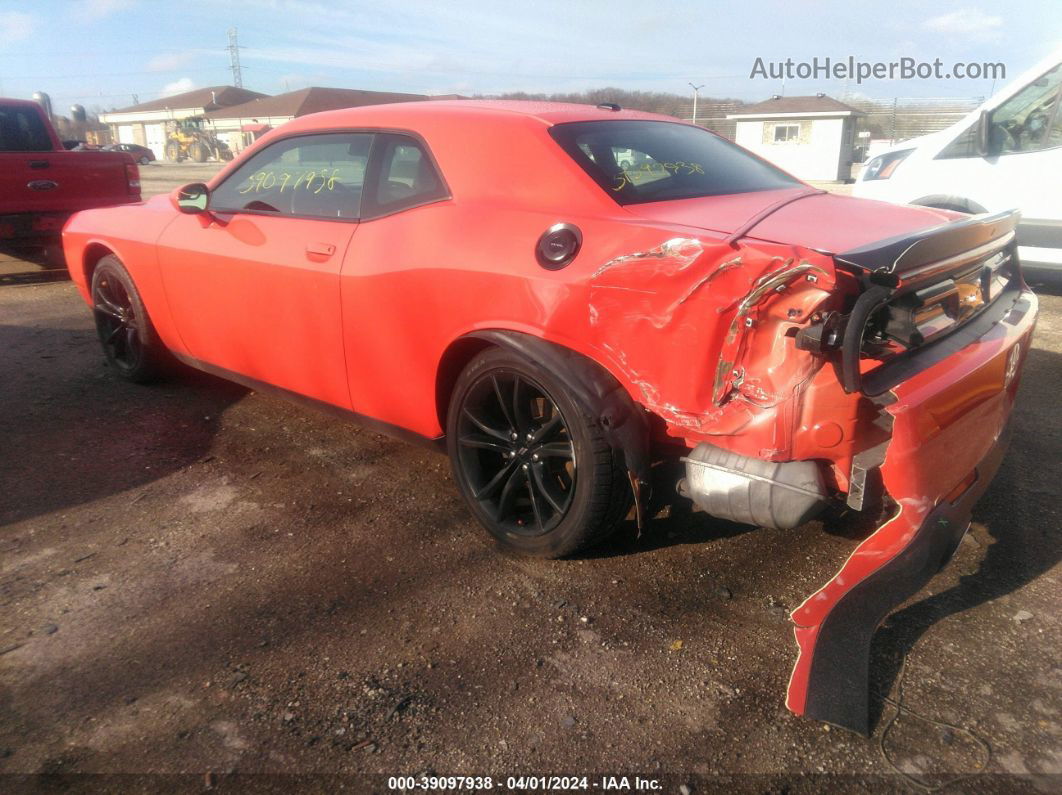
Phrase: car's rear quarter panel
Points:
(417, 281)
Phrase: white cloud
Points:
(178, 87)
(972, 23)
(15, 26)
(169, 62)
(98, 9)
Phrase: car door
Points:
(392, 265)
(253, 284)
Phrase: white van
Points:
(1005, 154)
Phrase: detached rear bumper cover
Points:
(948, 438)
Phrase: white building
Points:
(145, 124)
(810, 137)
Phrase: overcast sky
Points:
(102, 52)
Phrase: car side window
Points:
(1029, 121)
(21, 130)
(406, 177)
(309, 176)
(1023, 122)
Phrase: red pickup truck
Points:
(42, 184)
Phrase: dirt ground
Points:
(199, 580)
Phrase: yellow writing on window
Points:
(311, 181)
(653, 170)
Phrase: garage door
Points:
(155, 137)
(125, 134)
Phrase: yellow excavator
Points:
(187, 140)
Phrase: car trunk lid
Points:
(821, 221)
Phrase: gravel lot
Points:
(202, 580)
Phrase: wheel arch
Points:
(604, 397)
(91, 257)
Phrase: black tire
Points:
(562, 488)
(144, 160)
(198, 152)
(129, 340)
(173, 151)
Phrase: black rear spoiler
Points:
(942, 244)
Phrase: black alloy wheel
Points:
(117, 323)
(516, 452)
(531, 461)
(129, 340)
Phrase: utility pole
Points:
(695, 90)
(234, 59)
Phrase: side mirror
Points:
(192, 198)
(985, 140)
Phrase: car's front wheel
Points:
(534, 468)
(144, 160)
(129, 341)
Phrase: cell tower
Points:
(234, 59)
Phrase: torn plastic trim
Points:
(836, 685)
(946, 437)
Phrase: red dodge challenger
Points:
(565, 296)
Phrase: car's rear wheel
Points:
(535, 470)
(129, 341)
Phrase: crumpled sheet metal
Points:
(718, 376)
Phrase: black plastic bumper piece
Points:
(838, 684)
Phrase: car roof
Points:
(548, 113)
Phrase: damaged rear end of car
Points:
(880, 378)
(808, 350)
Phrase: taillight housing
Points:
(132, 179)
(883, 166)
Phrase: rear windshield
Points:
(651, 161)
(22, 130)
